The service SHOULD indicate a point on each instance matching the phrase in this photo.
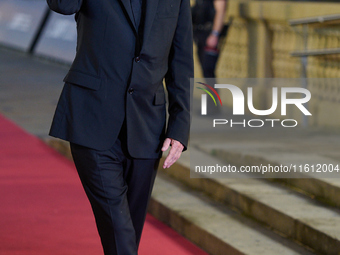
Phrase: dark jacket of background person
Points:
(113, 78)
(207, 26)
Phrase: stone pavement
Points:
(29, 90)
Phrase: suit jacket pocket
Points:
(83, 80)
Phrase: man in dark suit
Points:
(112, 107)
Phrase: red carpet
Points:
(44, 209)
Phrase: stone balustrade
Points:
(260, 42)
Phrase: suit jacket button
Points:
(131, 90)
(137, 59)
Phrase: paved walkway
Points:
(29, 90)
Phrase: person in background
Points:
(209, 28)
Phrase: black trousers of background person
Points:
(119, 189)
(207, 58)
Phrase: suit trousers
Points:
(119, 189)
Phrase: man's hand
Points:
(174, 153)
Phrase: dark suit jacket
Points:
(114, 76)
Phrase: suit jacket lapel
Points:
(150, 13)
(127, 6)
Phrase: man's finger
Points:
(170, 158)
(174, 154)
(166, 144)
